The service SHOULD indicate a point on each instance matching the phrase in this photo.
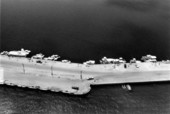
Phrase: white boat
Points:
(38, 56)
(149, 58)
(4, 53)
(65, 61)
(53, 58)
(106, 60)
(90, 62)
(127, 87)
(21, 53)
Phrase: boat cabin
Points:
(21, 53)
(90, 62)
(38, 56)
(106, 60)
(149, 58)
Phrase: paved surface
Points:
(65, 77)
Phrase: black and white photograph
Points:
(84, 56)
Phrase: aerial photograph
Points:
(84, 56)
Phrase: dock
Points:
(75, 78)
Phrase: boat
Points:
(4, 53)
(106, 60)
(127, 87)
(53, 58)
(38, 56)
(90, 62)
(21, 53)
(66, 61)
(149, 58)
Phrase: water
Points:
(87, 29)
(111, 99)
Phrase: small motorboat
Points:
(127, 87)
(38, 56)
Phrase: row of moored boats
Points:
(104, 60)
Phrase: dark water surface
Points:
(87, 29)
(112, 99)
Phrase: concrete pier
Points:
(1, 75)
(74, 78)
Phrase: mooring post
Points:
(23, 68)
